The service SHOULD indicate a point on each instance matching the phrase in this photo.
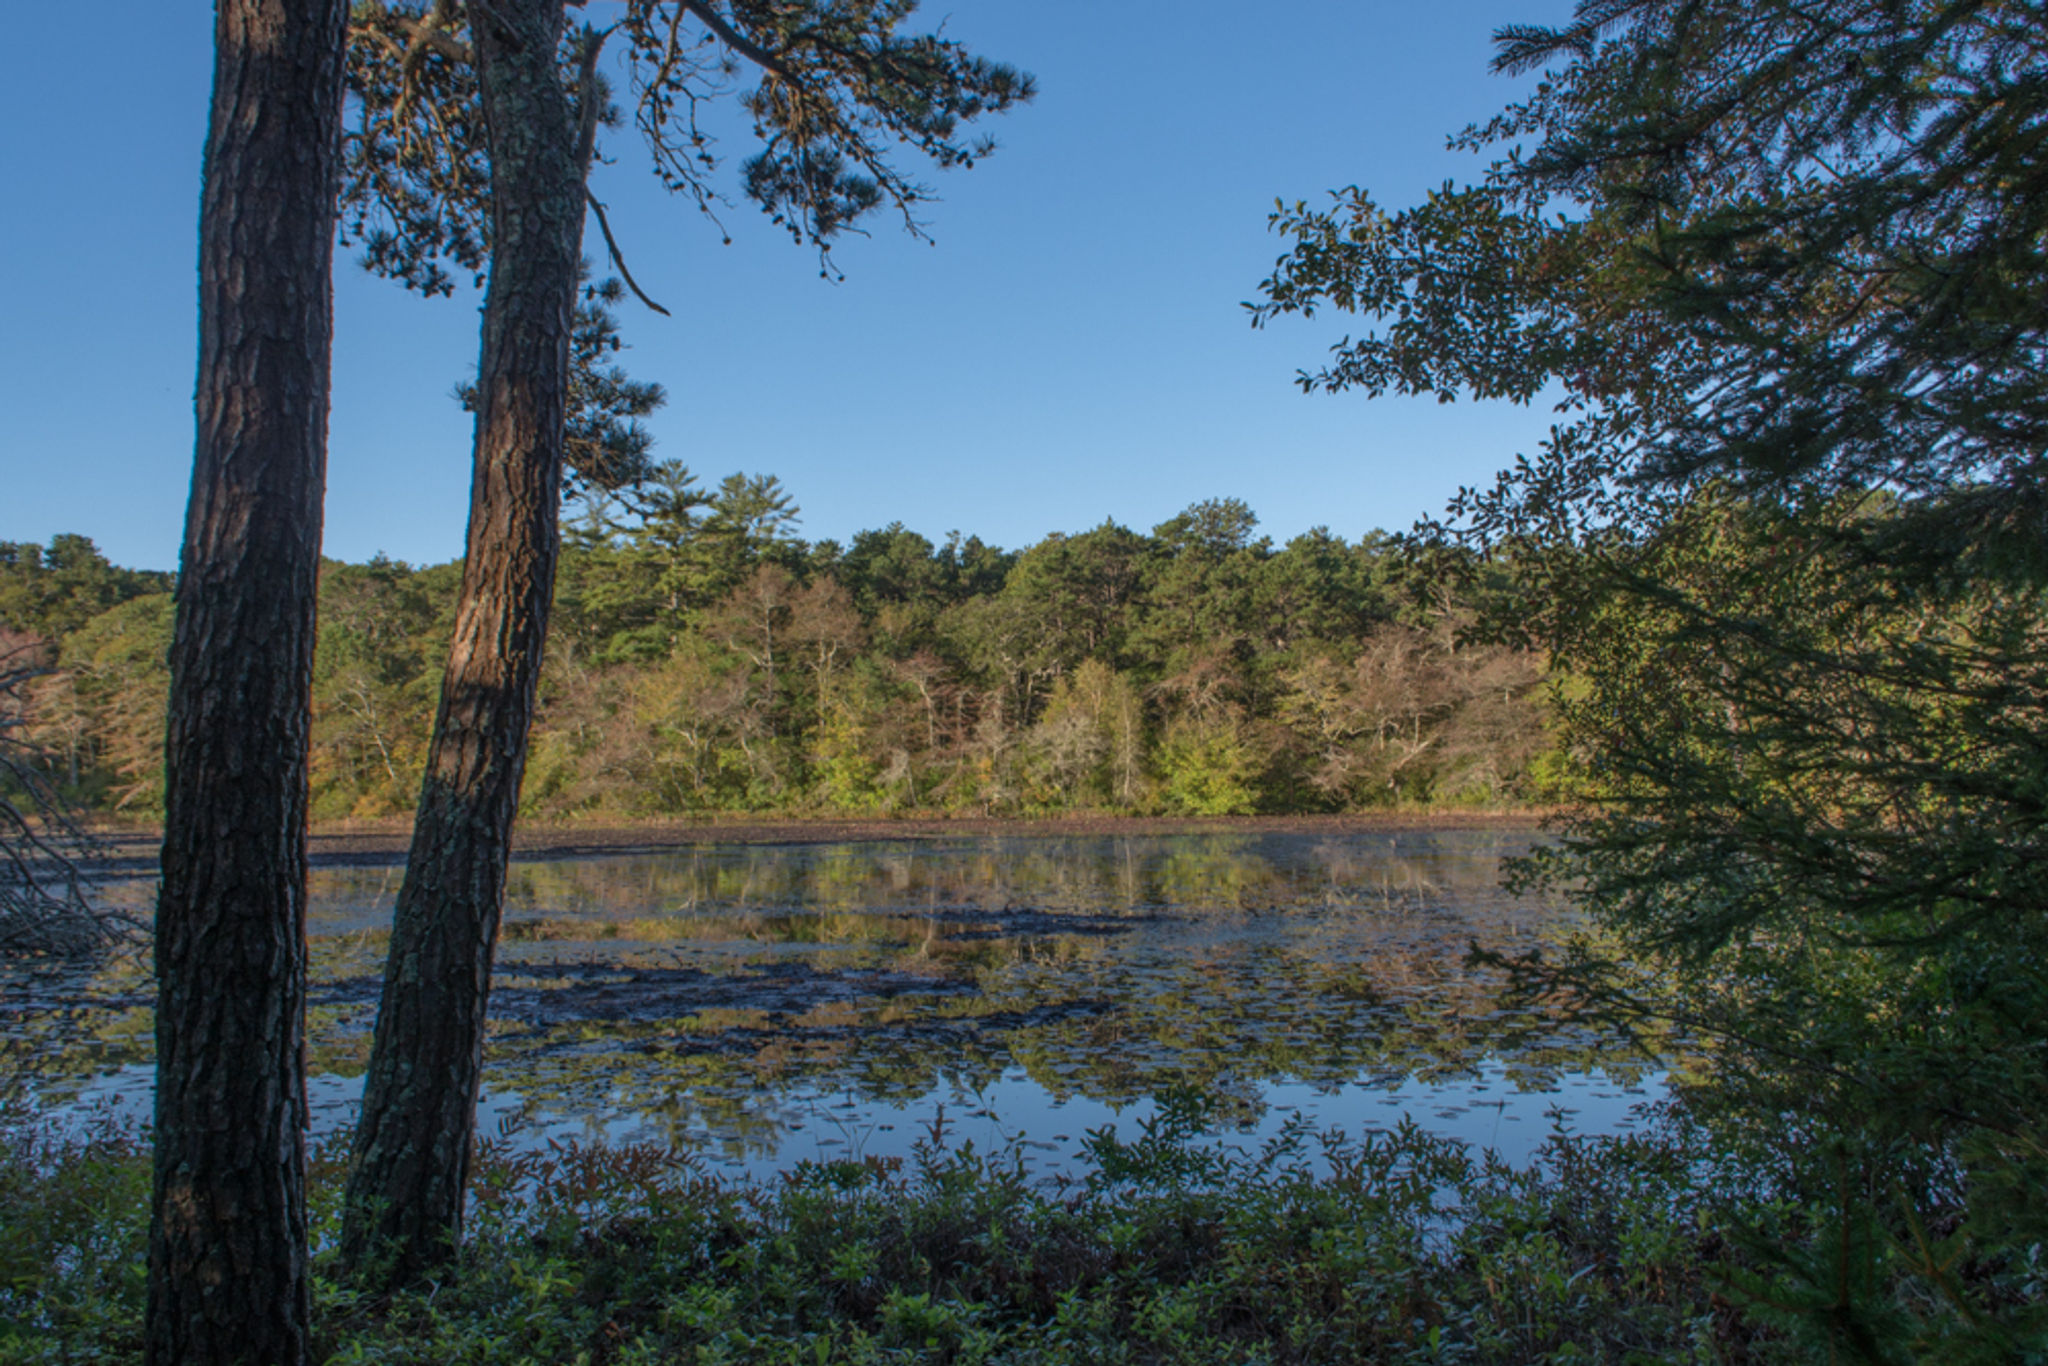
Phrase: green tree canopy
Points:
(50, 591)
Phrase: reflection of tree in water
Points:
(736, 978)
(1096, 874)
(1350, 967)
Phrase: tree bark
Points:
(227, 1247)
(404, 1203)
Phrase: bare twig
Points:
(428, 37)
(618, 259)
(709, 16)
(45, 902)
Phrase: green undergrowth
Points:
(1166, 1247)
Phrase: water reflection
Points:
(765, 1003)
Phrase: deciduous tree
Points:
(44, 904)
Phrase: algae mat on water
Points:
(762, 1003)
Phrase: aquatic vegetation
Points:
(716, 996)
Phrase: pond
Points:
(762, 1004)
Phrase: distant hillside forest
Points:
(703, 659)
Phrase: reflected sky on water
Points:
(759, 1004)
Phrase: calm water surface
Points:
(762, 1004)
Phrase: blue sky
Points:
(1071, 348)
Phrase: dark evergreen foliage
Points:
(1783, 266)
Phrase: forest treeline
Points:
(705, 658)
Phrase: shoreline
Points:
(382, 843)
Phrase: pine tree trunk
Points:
(227, 1246)
(405, 1195)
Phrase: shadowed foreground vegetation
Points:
(1404, 1248)
(1393, 1247)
